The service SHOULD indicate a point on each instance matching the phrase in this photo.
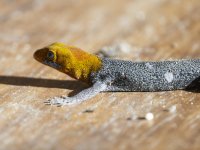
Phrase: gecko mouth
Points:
(52, 64)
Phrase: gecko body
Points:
(104, 74)
(147, 76)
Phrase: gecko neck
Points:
(83, 64)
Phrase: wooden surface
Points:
(146, 30)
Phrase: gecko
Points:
(106, 74)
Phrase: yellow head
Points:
(70, 60)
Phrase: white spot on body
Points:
(169, 76)
(149, 65)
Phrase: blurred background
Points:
(137, 30)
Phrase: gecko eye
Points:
(50, 55)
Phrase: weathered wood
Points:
(154, 29)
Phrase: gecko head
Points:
(69, 59)
(56, 55)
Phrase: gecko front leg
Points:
(80, 97)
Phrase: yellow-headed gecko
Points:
(104, 74)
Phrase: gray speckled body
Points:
(147, 76)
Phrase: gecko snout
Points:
(40, 55)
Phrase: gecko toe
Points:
(47, 102)
(63, 97)
(60, 101)
(59, 105)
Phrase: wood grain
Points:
(154, 29)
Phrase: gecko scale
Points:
(104, 74)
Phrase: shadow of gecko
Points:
(76, 86)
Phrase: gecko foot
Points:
(60, 101)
